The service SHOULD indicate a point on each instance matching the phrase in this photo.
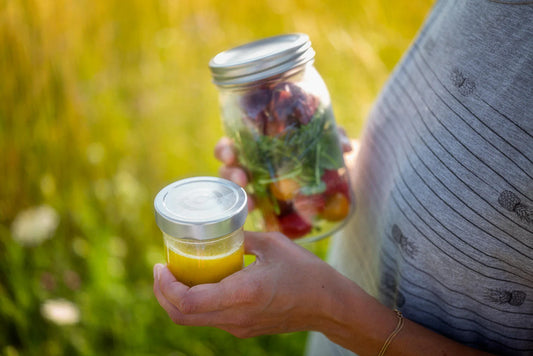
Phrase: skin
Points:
(289, 289)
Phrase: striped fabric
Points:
(444, 182)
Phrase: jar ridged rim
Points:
(261, 59)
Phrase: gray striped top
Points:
(443, 228)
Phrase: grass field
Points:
(102, 103)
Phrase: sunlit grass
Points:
(102, 103)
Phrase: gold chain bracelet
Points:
(393, 334)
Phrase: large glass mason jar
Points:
(277, 109)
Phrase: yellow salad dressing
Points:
(197, 269)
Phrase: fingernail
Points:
(157, 271)
(227, 155)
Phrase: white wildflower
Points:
(34, 225)
(60, 311)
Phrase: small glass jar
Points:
(277, 109)
(201, 219)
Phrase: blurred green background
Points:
(102, 103)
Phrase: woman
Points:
(443, 230)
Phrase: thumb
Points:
(262, 244)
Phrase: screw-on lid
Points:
(261, 59)
(200, 208)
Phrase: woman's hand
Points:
(226, 153)
(286, 289)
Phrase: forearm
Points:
(358, 322)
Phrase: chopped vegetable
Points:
(309, 206)
(337, 207)
(294, 226)
(285, 189)
(335, 183)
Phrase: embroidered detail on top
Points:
(464, 85)
(511, 202)
(501, 296)
(404, 242)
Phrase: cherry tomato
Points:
(337, 207)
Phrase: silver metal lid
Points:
(200, 208)
(261, 59)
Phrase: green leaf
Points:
(301, 153)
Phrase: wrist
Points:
(353, 319)
(339, 300)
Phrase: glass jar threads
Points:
(277, 109)
(201, 219)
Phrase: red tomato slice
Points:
(294, 226)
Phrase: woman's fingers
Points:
(234, 174)
(204, 298)
(237, 175)
(184, 305)
(169, 287)
(224, 298)
(350, 157)
(225, 151)
(171, 309)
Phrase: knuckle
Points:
(276, 238)
(177, 318)
(251, 294)
(256, 291)
(187, 305)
